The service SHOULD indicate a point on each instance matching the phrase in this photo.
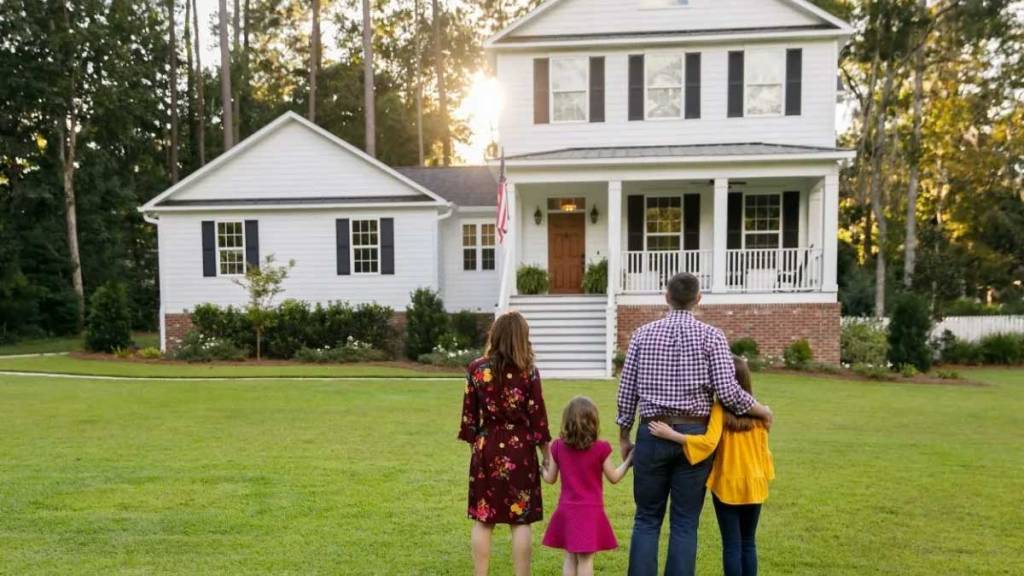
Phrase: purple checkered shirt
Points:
(676, 366)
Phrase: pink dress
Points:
(579, 524)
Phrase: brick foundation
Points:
(176, 326)
(772, 326)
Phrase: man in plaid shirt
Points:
(674, 369)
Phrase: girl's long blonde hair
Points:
(508, 344)
(732, 421)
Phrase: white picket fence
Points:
(970, 328)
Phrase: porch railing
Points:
(650, 271)
(773, 270)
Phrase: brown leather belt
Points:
(673, 420)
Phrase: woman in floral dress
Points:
(504, 419)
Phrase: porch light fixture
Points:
(594, 215)
(569, 205)
(538, 216)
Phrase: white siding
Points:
(308, 237)
(595, 16)
(815, 126)
(295, 161)
(466, 290)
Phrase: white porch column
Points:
(614, 270)
(830, 230)
(721, 234)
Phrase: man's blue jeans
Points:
(660, 472)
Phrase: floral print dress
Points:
(504, 419)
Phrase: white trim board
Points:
(745, 298)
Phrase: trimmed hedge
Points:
(864, 342)
(109, 325)
(909, 330)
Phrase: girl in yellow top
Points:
(739, 477)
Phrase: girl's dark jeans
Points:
(738, 525)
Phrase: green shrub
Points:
(909, 329)
(908, 371)
(122, 353)
(230, 323)
(595, 278)
(745, 348)
(948, 374)
(351, 351)
(872, 371)
(196, 347)
(288, 328)
(425, 323)
(449, 356)
(864, 342)
(465, 326)
(1004, 349)
(532, 280)
(150, 353)
(953, 350)
(371, 323)
(969, 307)
(618, 361)
(798, 355)
(109, 325)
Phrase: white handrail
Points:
(763, 270)
(650, 271)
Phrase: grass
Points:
(70, 344)
(89, 366)
(366, 477)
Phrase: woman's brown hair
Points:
(732, 421)
(508, 344)
(580, 423)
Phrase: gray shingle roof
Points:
(684, 151)
(522, 39)
(462, 185)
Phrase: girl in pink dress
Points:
(579, 525)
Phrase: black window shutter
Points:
(791, 220)
(734, 227)
(252, 243)
(344, 243)
(636, 87)
(691, 222)
(635, 223)
(541, 91)
(597, 89)
(735, 84)
(209, 248)
(693, 85)
(794, 80)
(387, 246)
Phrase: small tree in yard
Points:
(263, 283)
(425, 323)
(909, 329)
(109, 325)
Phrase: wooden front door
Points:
(566, 252)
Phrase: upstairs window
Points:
(762, 221)
(765, 74)
(365, 246)
(569, 80)
(664, 223)
(230, 248)
(664, 83)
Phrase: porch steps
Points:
(569, 334)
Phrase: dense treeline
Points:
(90, 128)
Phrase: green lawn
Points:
(366, 477)
(72, 344)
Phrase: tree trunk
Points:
(314, 60)
(368, 87)
(877, 204)
(227, 108)
(190, 81)
(245, 90)
(419, 87)
(68, 131)
(200, 90)
(236, 81)
(910, 245)
(173, 80)
(442, 90)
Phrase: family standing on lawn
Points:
(700, 428)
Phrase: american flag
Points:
(501, 223)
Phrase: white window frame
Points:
(352, 246)
(780, 53)
(682, 86)
(552, 91)
(761, 232)
(216, 230)
(682, 221)
(478, 247)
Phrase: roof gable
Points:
(556, 18)
(293, 161)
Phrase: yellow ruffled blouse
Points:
(743, 464)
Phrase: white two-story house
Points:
(659, 135)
